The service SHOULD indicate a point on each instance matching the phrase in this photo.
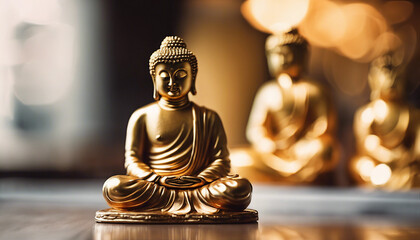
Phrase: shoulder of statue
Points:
(315, 89)
(209, 113)
(267, 88)
(269, 85)
(142, 112)
(310, 83)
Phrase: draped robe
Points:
(199, 150)
(298, 120)
(397, 131)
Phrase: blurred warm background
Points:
(72, 72)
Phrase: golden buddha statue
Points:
(292, 120)
(387, 132)
(176, 152)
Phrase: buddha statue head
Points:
(286, 53)
(384, 78)
(173, 69)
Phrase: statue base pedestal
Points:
(156, 217)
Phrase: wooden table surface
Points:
(57, 209)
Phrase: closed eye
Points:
(180, 74)
(164, 75)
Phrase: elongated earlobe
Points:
(156, 95)
(193, 90)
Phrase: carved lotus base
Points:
(156, 217)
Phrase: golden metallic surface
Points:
(387, 132)
(291, 125)
(176, 152)
(117, 216)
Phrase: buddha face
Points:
(173, 80)
(285, 59)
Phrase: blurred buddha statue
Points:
(291, 125)
(176, 152)
(387, 132)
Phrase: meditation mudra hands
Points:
(182, 182)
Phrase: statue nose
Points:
(172, 83)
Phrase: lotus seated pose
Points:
(176, 156)
(387, 132)
(292, 122)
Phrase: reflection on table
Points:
(254, 231)
(179, 231)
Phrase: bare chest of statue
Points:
(164, 126)
(285, 116)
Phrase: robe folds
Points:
(199, 151)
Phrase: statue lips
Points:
(174, 91)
